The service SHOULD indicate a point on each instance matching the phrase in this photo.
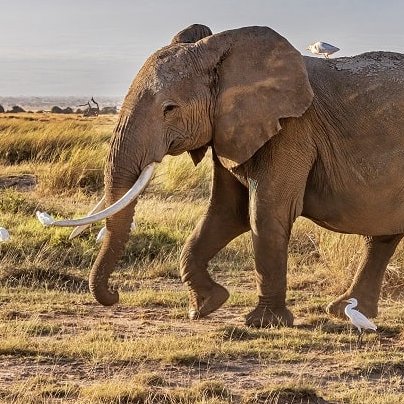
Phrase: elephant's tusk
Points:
(97, 208)
(120, 204)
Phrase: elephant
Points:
(290, 136)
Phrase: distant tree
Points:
(1, 109)
(68, 110)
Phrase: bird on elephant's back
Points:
(290, 136)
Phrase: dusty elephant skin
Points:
(290, 136)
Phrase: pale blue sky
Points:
(95, 47)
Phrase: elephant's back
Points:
(370, 84)
(369, 64)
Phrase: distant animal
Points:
(290, 136)
(322, 48)
(91, 111)
(361, 322)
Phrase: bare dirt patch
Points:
(247, 374)
(23, 182)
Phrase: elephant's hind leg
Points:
(367, 283)
(226, 218)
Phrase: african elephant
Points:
(290, 136)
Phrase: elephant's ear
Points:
(261, 78)
(192, 34)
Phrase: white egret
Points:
(322, 48)
(45, 218)
(4, 234)
(361, 322)
(101, 233)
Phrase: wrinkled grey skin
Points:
(290, 137)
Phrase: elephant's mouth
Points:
(99, 212)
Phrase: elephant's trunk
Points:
(128, 164)
(118, 228)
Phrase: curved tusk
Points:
(79, 229)
(129, 197)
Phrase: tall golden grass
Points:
(67, 155)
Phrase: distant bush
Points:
(58, 110)
(109, 111)
(1, 109)
(16, 109)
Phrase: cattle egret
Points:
(45, 218)
(322, 48)
(361, 322)
(101, 233)
(4, 235)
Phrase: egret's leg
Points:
(359, 341)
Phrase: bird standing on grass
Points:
(322, 48)
(360, 321)
(4, 234)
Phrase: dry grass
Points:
(58, 345)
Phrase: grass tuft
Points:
(49, 278)
(178, 176)
(289, 394)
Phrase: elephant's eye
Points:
(167, 108)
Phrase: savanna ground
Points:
(58, 345)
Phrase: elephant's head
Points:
(228, 90)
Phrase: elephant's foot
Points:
(365, 305)
(203, 301)
(264, 316)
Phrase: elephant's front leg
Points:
(271, 223)
(277, 181)
(226, 218)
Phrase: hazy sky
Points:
(95, 47)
